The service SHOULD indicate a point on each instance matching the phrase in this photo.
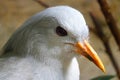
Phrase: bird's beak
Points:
(86, 50)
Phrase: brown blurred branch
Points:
(92, 29)
(42, 3)
(110, 20)
(105, 39)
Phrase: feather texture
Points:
(36, 52)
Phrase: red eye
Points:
(60, 31)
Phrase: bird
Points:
(47, 45)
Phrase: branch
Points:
(42, 3)
(105, 39)
(110, 20)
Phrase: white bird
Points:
(45, 47)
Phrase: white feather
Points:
(36, 52)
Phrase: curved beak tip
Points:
(86, 50)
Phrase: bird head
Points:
(59, 30)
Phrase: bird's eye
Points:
(60, 31)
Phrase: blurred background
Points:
(13, 13)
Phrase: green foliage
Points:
(104, 77)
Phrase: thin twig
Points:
(110, 20)
(105, 39)
(42, 3)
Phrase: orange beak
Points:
(86, 50)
